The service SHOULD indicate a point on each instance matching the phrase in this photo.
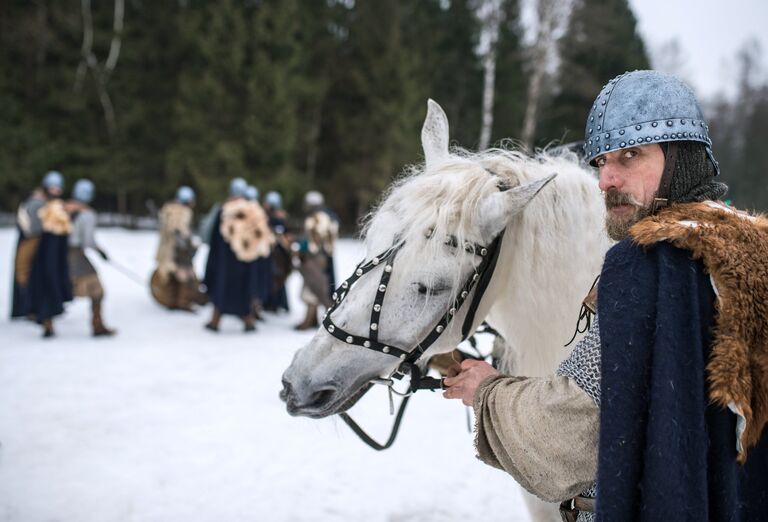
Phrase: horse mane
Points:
(424, 199)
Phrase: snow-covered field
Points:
(167, 422)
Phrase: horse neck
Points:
(550, 256)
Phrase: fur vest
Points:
(245, 227)
(55, 218)
(733, 246)
(322, 232)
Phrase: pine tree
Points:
(601, 42)
(511, 79)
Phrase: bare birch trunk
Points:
(551, 18)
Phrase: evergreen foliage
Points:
(601, 42)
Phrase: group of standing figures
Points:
(252, 250)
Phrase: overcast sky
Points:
(709, 32)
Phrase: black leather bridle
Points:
(409, 358)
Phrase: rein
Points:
(480, 278)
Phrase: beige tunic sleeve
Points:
(542, 431)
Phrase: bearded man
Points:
(658, 413)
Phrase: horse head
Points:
(426, 246)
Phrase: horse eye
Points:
(436, 289)
(422, 288)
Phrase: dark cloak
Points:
(49, 284)
(230, 283)
(665, 452)
(19, 303)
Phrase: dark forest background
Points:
(142, 96)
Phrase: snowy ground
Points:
(169, 422)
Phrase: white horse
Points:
(440, 218)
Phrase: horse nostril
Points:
(287, 391)
(320, 397)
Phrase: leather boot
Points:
(213, 324)
(249, 323)
(99, 329)
(48, 329)
(310, 321)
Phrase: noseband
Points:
(480, 277)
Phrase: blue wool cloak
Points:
(231, 284)
(49, 284)
(666, 453)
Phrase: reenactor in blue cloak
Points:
(281, 253)
(42, 255)
(239, 235)
(262, 283)
(174, 283)
(85, 280)
(321, 228)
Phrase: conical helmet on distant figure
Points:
(83, 191)
(273, 199)
(313, 200)
(185, 195)
(237, 188)
(251, 193)
(53, 182)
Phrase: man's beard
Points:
(618, 226)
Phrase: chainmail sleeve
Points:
(583, 366)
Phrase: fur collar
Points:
(245, 227)
(55, 218)
(734, 248)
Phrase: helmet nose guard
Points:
(644, 107)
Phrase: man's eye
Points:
(629, 154)
(600, 162)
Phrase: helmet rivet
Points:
(682, 121)
(655, 124)
(388, 268)
(331, 328)
(685, 134)
(359, 272)
(603, 102)
(439, 328)
(599, 114)
(374, 326)
(367, 344)
(621, 132)
(669, 123)
(665, 136)
(656, 138)
(377, 308)
(607, 134)
(693, 122)
(385, 349)
(638, 127)
(375, 260)
(631, 142)
(622, 144)
(590, 131)
(597, 150)
(382, 288)
(607, 147)
(591, 118)
(349, 339)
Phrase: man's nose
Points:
(609, 177)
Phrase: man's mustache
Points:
(615, 198)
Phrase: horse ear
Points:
(497, 209)
(434, 135)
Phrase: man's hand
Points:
(469, 375)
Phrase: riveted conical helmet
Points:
(643, 107)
